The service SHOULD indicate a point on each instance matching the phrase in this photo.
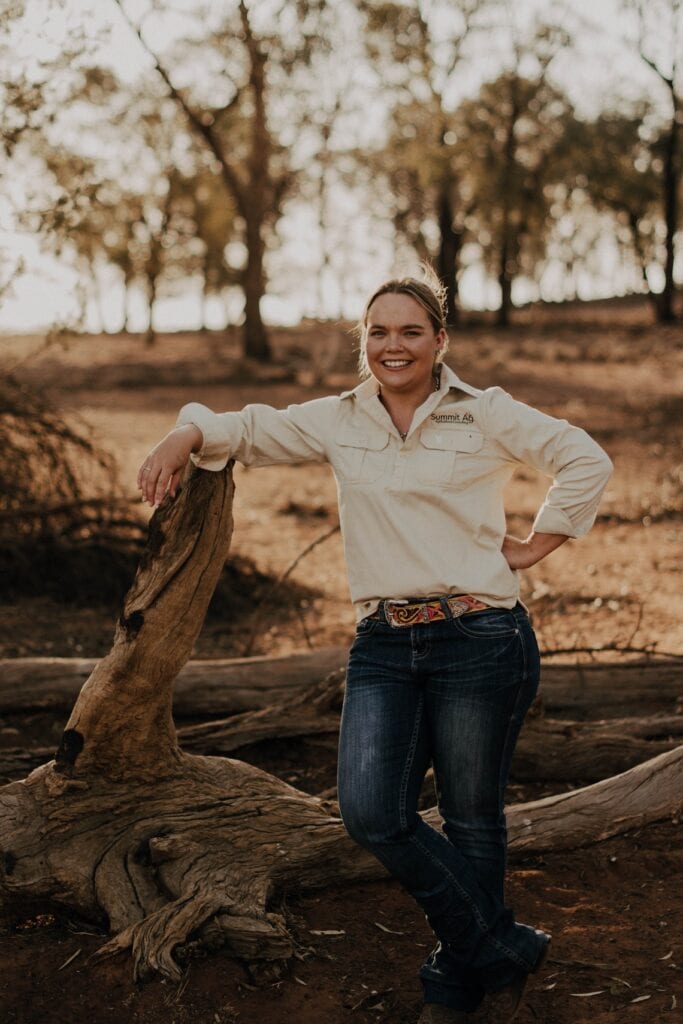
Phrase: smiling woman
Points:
(445, 663)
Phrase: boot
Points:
(501, 1007)
(435, 1013)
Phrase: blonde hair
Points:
(430, 293)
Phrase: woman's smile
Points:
(396, 364)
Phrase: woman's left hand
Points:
(522, 554)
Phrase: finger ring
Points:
(147, 471)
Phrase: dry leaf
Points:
(585, 995)
(326, 931)
(389, 930)
(546, 988)
(668, 955)
(299, 980)
(67, 962)
(640, 999)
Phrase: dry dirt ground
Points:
(615, 909)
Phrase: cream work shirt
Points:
(425, 515)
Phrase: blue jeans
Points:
(453, 693)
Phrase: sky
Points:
(601, 63)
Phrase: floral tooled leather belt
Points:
(432, 609)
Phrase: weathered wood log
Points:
(651, 791)
(308, 712)
(215, 686)
(560, 751)
(219, 687)
(549, 750)
(128, 830)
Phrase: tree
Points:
(514, 145)
(660, 33)
(142, 204)
(618, 171)
(260, 47)
(417, 49)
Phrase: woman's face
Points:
(401, 344)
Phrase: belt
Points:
(431, 609)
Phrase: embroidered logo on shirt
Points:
(453, 417)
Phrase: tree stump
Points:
(128, 830)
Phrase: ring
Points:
(147, 471)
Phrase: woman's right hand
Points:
(163, 467)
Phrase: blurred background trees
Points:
(244, 151)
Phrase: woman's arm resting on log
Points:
(162, 468)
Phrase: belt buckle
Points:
(457, 606)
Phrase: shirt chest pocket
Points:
(447, 457)
(361, 455)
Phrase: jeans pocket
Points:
(366, 627)
(492, 624)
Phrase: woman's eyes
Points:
(408, 334)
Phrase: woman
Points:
(444, 664)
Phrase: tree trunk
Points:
(127, 829)
(255, 205)
(649, 792)
(504, 282)
(211, 688)
(150, 333)
(449, 252)
(553, 750)
(256, 343)
(667, 313)
(508, 191)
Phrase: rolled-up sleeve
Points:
(260, 435)
(580, 468)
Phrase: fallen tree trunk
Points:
(649, 792)
(203, 688)
(128, 830)
(219, 687)
(549, 750)
(560, 751)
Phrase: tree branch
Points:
(201, 127)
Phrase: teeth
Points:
(396, 362)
